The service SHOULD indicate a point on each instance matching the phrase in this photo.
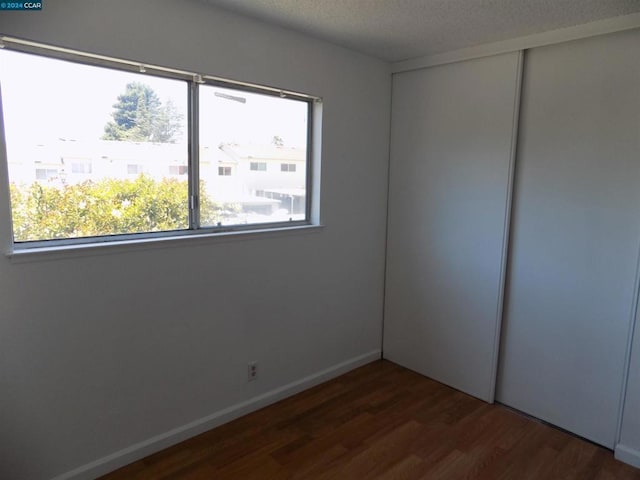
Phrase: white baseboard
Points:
(627, 455)
(140, 450)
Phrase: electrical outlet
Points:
(252, 371)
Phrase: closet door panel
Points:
(574, 235)
(451, 138)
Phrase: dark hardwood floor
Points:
(378, 422)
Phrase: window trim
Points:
(194, 80)
(171, 240)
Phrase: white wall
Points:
(101, 352)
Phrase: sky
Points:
(46, 99)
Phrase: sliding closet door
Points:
(575, 234)
(451, 140)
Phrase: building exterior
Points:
(262, 180)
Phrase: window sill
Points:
(151, 243)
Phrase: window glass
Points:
(89, 149)
(256, 133)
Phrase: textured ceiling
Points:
(397, 30)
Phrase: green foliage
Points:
(107, 207)
(139, 116)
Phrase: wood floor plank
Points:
(408, 468)
(381, 422)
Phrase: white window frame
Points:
(194, 80)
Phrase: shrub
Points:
(106, 207)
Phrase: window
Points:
(256, 131)
(178, 169)
(149, 163)
(134, 169)
(81, 167)
(46, 173)
(258, 166)
(287, 167)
